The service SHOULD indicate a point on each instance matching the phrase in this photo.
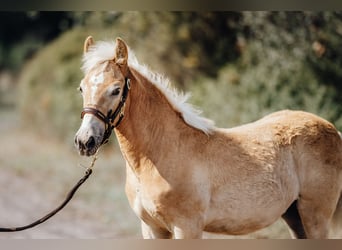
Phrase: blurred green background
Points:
(239, 66)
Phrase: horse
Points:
(185, 176)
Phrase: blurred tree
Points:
(326, 56)
(326, 30)
(189, 44)
(207, 40)
(288, 60)
(22, 33)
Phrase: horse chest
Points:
(145, 201)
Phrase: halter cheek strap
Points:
(111, 116)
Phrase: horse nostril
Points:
(90, 143)
(78, 143)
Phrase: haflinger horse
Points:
(186, 176)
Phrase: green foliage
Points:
(239, 96)
(326, 61)
(48, 96)
(272, 73)
(183, 44)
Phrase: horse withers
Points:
(186, 176)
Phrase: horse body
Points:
(267, 169)
(234, 181)
(182, 180)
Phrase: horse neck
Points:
(150, 125)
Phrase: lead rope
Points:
(69, 196)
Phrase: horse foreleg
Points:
(187, 228)
(185, 233)
(151, 232)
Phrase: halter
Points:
(111, 116)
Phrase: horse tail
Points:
(336, 223)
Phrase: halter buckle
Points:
(128, 82)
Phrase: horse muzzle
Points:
(90, 135)
(87, 148)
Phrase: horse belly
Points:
(243, 210)
(242, 223)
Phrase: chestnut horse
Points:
(186, 176)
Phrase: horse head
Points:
(104, 89)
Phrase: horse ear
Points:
(121, 52)
(89, 41)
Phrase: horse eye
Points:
(116, 92)
(80, 89)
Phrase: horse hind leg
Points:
(312, 216)
(316, 212)
(293, 220)
(336, 223)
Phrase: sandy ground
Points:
(22, 203)
(36, 173)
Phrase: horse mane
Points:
(104, 51)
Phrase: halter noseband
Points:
(111, 116)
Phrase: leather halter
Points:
(111, 116)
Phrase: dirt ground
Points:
(36, 172)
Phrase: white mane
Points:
(104, 51)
